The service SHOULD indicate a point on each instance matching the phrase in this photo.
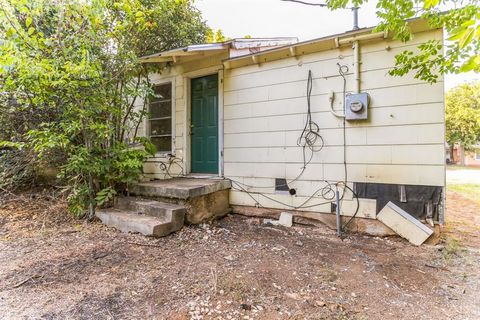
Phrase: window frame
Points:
(163, 154)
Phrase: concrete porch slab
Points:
(180, 188)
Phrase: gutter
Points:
(339, 41)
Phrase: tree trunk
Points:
(462, 154)
(91, 205)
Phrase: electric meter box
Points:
(356, 106)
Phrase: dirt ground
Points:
(55, 267)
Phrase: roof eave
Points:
(172, 55)
(417, 25)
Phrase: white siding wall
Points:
(180, 76)
(153, 167)
(265, 111)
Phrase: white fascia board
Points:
(185, 51)
(207, 47)
(262, 42)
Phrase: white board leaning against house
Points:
(289, 123)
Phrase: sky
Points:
(276, 18)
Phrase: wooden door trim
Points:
(187, 77)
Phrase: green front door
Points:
(204, 126)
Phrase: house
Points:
(288, 124)
(457, 155)
(472, 158)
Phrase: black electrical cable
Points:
(311, 132)
(167, 168)
(308, 140)
(303, 205)
(342, 70)
(324, 191)
(344, 227)
(257, 203)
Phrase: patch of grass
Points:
(453, 247)
(235, 287)
(471, 191)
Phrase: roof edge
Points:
(225, 45)
(417, 24)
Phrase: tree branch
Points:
(129, 109)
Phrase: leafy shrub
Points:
(71, 81)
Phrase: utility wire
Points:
(307, 3)
(311, 140)
(342, 70)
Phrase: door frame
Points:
(187, 78)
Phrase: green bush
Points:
(70, 86)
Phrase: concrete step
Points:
(130, 221)
(180, 188)
(148, 217)
(171, 212)
(205, 199)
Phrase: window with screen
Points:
(160, 117)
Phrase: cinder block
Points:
(286, 219)
(404, 224)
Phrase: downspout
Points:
(355, 41)
(356, 65)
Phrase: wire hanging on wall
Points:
(342, 70)
(167, 167)
(310, 138)
(311, 141)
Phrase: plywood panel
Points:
(272, 170)
(297, 72)
(407, 114)
(372, 82)
(286, 202)
(404, 224)
(418, 93)
(366, 207)
(381, 117)
(413, 134)
(419, 154)
(387, 135)
(384, 154)
(407, 174)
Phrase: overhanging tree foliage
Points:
(69, 79)
(461, 22)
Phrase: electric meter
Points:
(356, 106)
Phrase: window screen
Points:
(160, 117)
